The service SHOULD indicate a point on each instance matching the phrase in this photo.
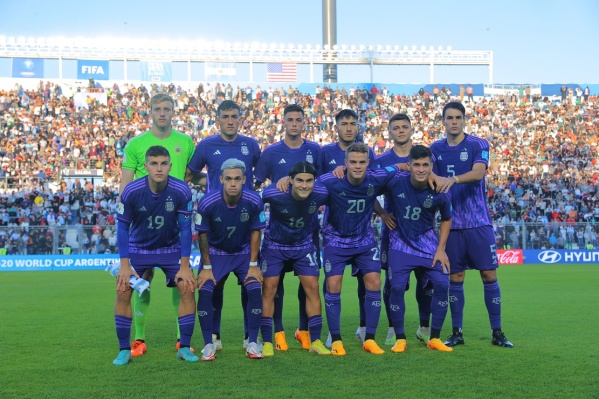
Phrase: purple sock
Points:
(254, 309)
(333, 308)
(186, 325)
(372, 308)
(244, 305)
(123, 331)
(277, 317)
(303, 316)
(424, 298)
(493, 302)
(205, 311)
(386, 299)
(456, 303)
(397, 307)
(361, 294)
(439, 304)
(217, 307)
(315, 327)
(266, 329)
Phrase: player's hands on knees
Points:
(254, 272)
(283, 184)
(339, 172)
(204, 276)
(441, 257)
(186, 277)
(389, 220)
(122, 279)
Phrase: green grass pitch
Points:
(57, 340)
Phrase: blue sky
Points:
(547, 41)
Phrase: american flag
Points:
(281, 72)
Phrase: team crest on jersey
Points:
(264, 266)
(370, 190)
(312, 208)
(464, 155)
(120, 208)
(428, 202)
(169, 206)
(178, 149)
(309, 157)
(245, 216)
(244, 149)
(327, 266)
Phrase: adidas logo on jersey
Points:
(332, 162)
(282, 161)
(343, 194)
(217, 220)
(439, 158)
(284, 211)
(217, 152)
(143, 209)
(402, 195)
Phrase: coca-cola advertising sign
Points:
(509, 256)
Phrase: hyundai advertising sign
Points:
(561, 256)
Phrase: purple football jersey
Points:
(154, 229)
(348, 223)
(290, 225)
(213, 151)
(469, 200)
(277, 160)
(415, 211)
(229, 228)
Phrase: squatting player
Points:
(154, 229)
(463, 159)
(229, 223)
(349, 239)
(288, 243)
(211, 152)
(400, 133)
(274, 164)
(180, 147)
(413, 244)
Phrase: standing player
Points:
(464, 159)
(349, 239)
(154, 229)
(211, 152)
(333, 156)
(274, 164)
(413, 244)
(180, 148)
(229, 223)
(400, 132)
(288, 242)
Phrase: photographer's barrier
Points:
(20, 263)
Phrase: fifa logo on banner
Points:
(92, 69)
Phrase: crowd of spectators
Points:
(542, 170)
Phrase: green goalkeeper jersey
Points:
(179, 145)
